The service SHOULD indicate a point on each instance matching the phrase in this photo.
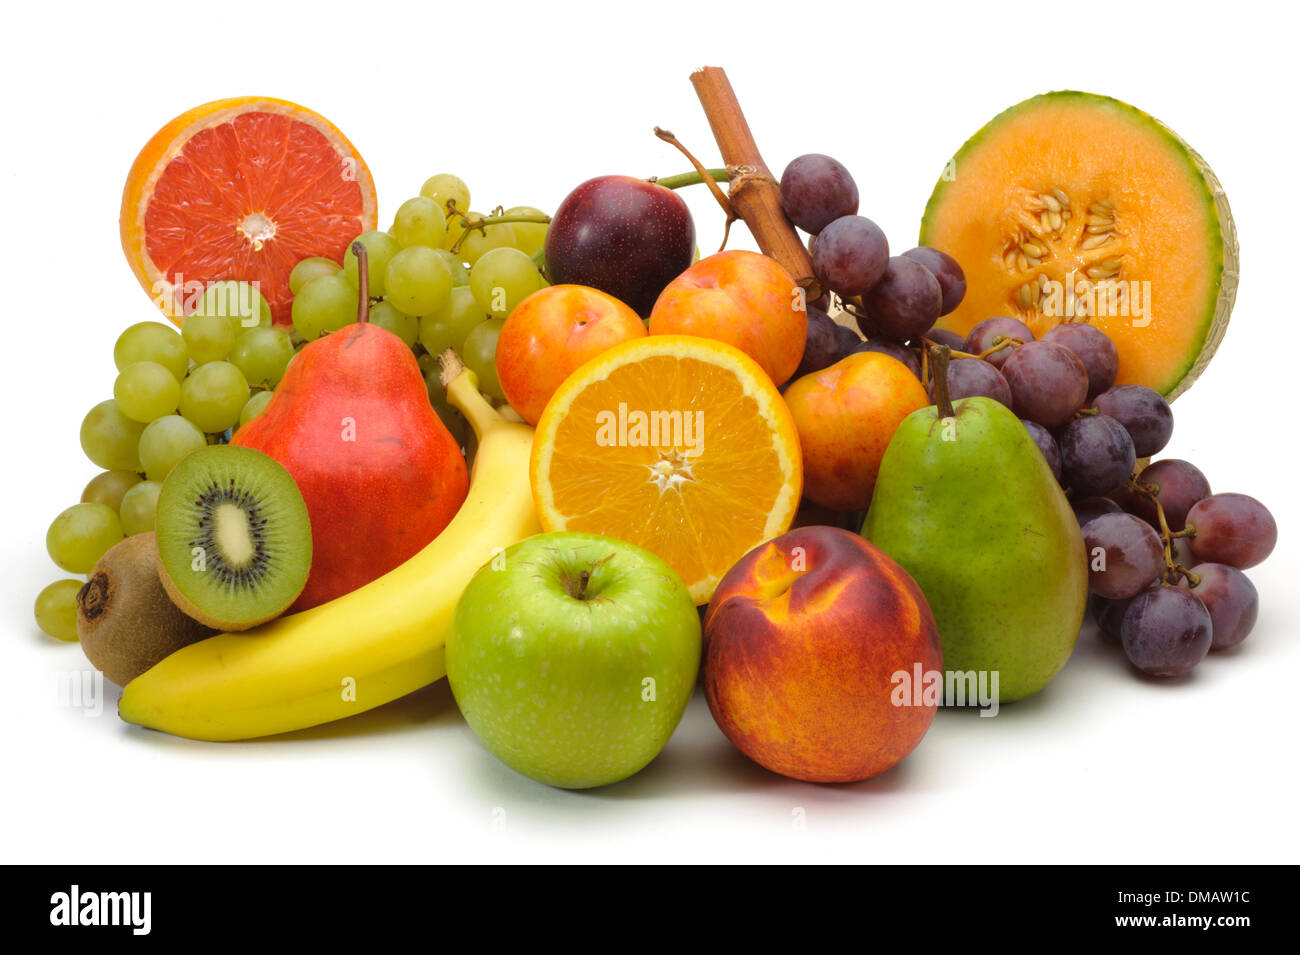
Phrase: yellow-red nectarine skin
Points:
(846, 415)
(744, 299)
(802, 640)
(550, 334)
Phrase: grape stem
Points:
(939, 355)
(681, 180)
(363, 282)
(482, 222)
(1173, 569)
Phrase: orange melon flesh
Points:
(1172, 232)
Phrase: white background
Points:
(524, 101)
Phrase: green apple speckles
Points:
(573, 656)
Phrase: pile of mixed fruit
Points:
(574, 467)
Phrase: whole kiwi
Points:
(125, 619)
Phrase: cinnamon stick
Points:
(754, 192)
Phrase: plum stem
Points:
(681, 180)
(363, 282)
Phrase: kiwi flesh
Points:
(234, 538)
(125, 619)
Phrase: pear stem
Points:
(939, 356)
(363, 282)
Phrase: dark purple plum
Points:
(816, 190)
(1233, 529)
(1094, 348)
(849, 339)
(822, 344)
(1096, 455)
(1048, 383)
(985, 335)
(1166, 631)
(624, 236)
(904, 304)
(952, 280)
(1231, 599)
(1178, 485)
(1043, 438)
(1143, 412)
(1124, 555)
(850, 255)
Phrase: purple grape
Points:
(821, 343)
(1233, 529)
(1093, 348)
(850, 255)
(905, 302)
(952, 280)
(1181, 552)
(1177, 484)
(1110, 615)
(1046, 443)
(849, 339)
(1096, 455)
(1231, 599)
(893, 350)
(816, 190)
(984, 335)
(1166, 631)
(972, 377)
(1048, 383)
(943, 336)
(1124, 555)
(1143, 412)
(1089, 507)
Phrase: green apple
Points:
(573, 656)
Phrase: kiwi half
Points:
(234, 539)
(125, 619)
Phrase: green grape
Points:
(312, 268)
(152, 341)
(480, 240)
(502, 278)
(110, 438)
(107, 487)
(145, 390)
(138, 507)
(56, 609)
(380, 249)
(529, 236)
(165, 442)
(406, 327)
(447, 190)
(428, 363)
(208, 337)
(254, 406)
(79, 536)
(262, 354)
(449, 326)
(459, 274)
(480, 356)
(213, 395)
(241, 303)
(418, 281)
(419, 221)
(325, 304)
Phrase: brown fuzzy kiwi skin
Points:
(179, 599)
(125, 620)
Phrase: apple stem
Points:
(939, 356)
(583, 579)
(363, 282)
(683, 179)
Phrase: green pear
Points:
(966, 503)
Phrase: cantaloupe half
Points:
(1076, 207)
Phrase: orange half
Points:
(242, 189)
(679, 444)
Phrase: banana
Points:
(365, 648)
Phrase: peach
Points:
(813, 643)
(550, 334)
(846, 415)
(744, 299)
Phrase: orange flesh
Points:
(1166, 233)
